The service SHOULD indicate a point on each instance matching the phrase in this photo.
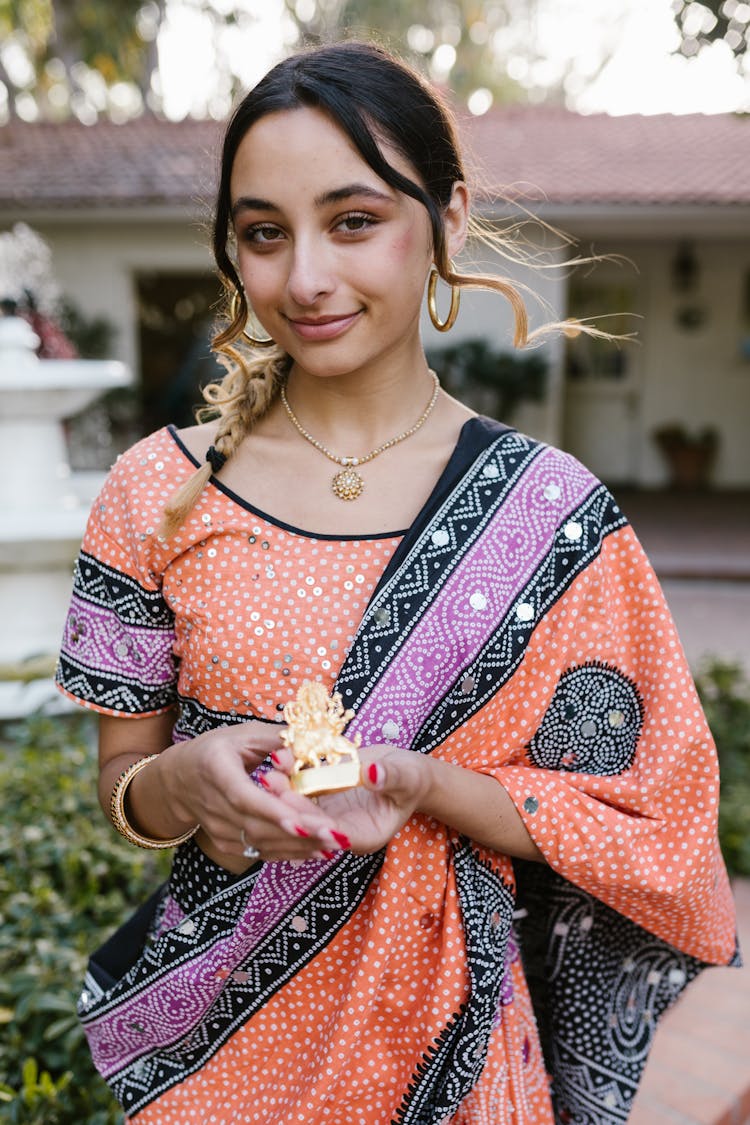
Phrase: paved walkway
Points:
(699, 1069)
(699, 544)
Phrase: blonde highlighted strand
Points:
(245, 394)
(501, 241)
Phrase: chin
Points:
(328, 362)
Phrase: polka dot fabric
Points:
(643, 840)
(245, 609)
(254, 608)
(341, 1041)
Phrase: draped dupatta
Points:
(511, 534)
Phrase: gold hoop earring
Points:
(450, 320)
(234, 309)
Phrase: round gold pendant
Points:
(347, 484)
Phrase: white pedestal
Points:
(42, 518)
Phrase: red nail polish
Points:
(301, 831)
(275, 758)
(372, 772)
(328, 855)
(262, 781)
(340, 838)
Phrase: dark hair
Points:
(371, 96)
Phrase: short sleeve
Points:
(117, 648)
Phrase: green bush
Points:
(503, 379)
(66, 882)
(725, 693)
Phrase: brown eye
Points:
(261, 235)
(356, 223)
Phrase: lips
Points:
(322, 327)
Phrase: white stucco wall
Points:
(699, 376)
(696, 377)
(96, 264)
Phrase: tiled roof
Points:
(546, 153)
(143, 162)
(570, 158)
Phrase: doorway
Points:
(176, 312)
(602, 387)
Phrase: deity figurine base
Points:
(315, 781)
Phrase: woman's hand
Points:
(397, 783)
(214, 788)
(393, 784)
(207, 781)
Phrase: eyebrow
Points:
(336, 195)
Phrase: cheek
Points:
(259, 278)
(408, 256)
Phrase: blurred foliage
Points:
(66, 883)
(76, 49)
(93, 336)
(485, 33)
(712, 21)
(725, 693)
(464, 29)
(493, 382)
(91, 57)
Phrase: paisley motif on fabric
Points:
(117, 643)
(592, 724)
(601, 983)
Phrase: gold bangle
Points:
(119, 817)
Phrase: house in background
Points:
(663, 200)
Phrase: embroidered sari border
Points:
(154, 1011)
(494, 665)
(478, 592)
(451, 1066)
(429, 558)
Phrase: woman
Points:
(533, 749)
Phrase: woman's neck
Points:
(362, 409)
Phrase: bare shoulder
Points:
(197, 439)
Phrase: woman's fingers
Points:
(397, 774)
(363, 819)
(282, 759)
(280, 823)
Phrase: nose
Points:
(310, 274)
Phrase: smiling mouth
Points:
(322, 327)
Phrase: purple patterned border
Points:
(478, 595)
(175, 1002)
(96, 638)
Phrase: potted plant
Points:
(689, 455)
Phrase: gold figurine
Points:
(324, 760)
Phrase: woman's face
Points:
(333, 260)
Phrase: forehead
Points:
(304, 148)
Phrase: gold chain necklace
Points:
(348, 484)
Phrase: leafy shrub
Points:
(501, 379)
(725, 692)
(66, 882)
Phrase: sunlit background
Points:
(112, 122)
(190, 57)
